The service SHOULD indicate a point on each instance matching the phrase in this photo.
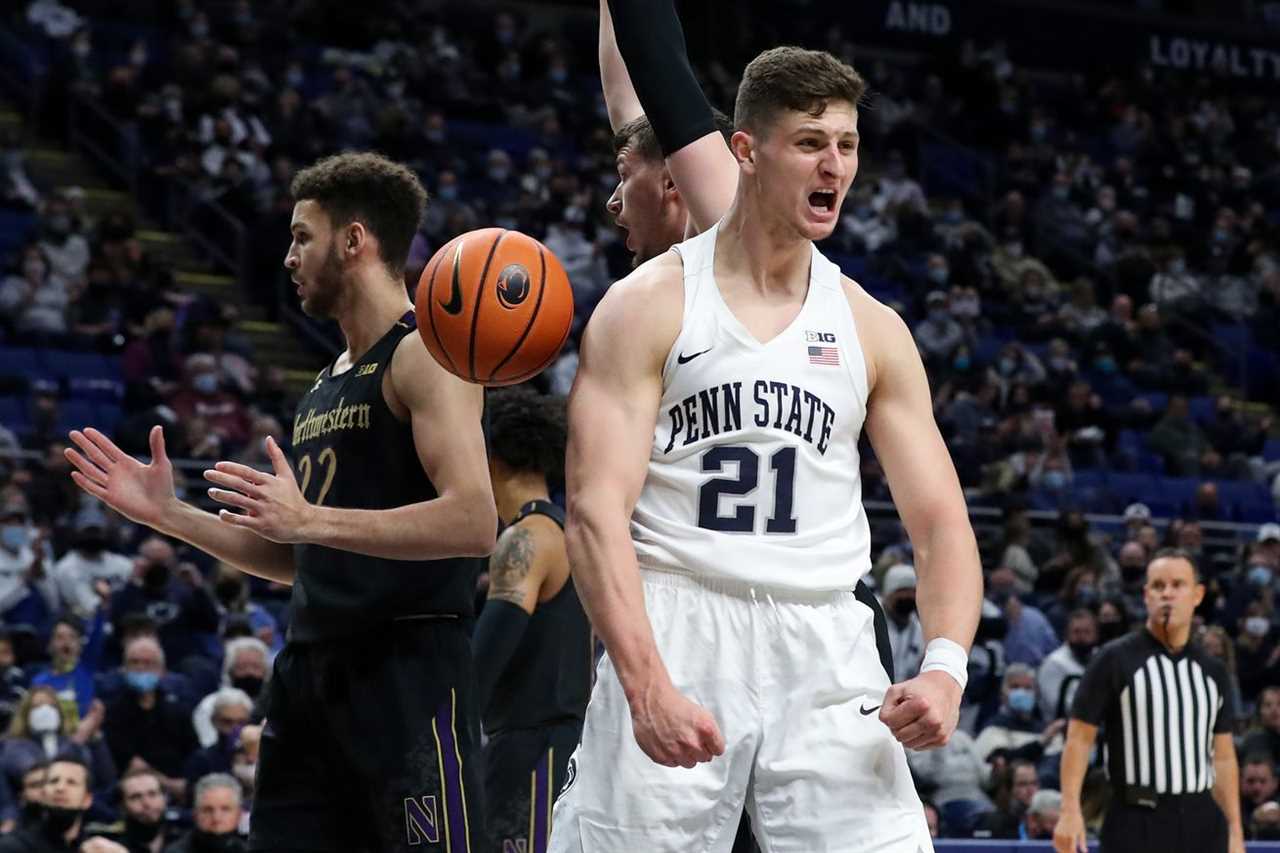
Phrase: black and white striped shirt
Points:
(1159, 712)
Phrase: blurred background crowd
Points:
(1089, 260)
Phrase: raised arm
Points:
(613, 410)
(619, 95)
(144, 494)
(651, 41)
(461, 521)
(1069, 835)
(927, 494)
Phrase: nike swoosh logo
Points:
(685, 359)
(865, 710)
(454, 305)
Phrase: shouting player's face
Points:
(313, 261)
(803, 166)
(646, 206)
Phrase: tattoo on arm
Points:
(510, 566)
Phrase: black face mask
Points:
(141, 831)
(58, 820)
(1108, 631)
(156, 577)
(32, 812)
(1082, 650)
(250, 684)
(228, 592)
(903, 609)
(91, 544)
(208, 842)
(1132, 573)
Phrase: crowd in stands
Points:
(1097, 304)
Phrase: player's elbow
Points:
(475, 526)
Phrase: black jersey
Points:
(1159, 712)
(350, 451)
(548, 678)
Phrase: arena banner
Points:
(1068, 38)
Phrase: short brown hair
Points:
(638, 135)
(386, 197)
(793, 78)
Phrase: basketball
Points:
(494, 306)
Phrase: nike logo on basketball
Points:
(865, 710)
(685, 359)
(454, 305)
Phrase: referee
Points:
(1168, 711)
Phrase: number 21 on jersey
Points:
(744, 464)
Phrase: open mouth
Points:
(822, 201)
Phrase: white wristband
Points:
(948, 656)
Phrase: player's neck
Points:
(517, 491)
(761, 248)
(1175, 639)
(373, 306)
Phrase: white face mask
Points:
(44, 719)
(1258, 626)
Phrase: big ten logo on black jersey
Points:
(782, 406)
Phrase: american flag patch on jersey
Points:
(824, 355)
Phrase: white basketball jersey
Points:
(754, 473)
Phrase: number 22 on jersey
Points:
(329, 461)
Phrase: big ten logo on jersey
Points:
(717, 411)
(820, 337)
(421, 821)
(366, 369)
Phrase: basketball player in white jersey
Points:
(716, 524)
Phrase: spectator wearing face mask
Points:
(203, 397)
(89, 561)
(146, 726)
(232, 710)
(906, 635)
(40, 733)
(1257, 654)
(68, 796)
(1060, 672)
(147, 824)
(62, 243)
(174, 596)
(28, 595)
(218, 804)
(245, 668)
(35, 299)
(1017, 730)
(938, 335)
(1015, 786)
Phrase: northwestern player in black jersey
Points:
(533, 641)
(371, 741)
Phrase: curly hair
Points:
(384, 196)
(527, 430)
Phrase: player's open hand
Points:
(923, 711)
(271, 505)
(673, 731)
(1068, 834)
(141, 493)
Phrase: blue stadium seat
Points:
(77, 414)
(1203, 409)
(13, 410)
(15, 229)
(22, 362)
(1130, 487)
(107, 416)
(1271, 450)
(1089, 478)
(67, 364)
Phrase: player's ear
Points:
(355, 235)
(742, 144)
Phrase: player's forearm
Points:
(245, 550)
(452, 525)
(651, 41)
(1075, 761)
(949, 588)
(619, 95)
(607, 579)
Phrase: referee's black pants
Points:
(1186, 823)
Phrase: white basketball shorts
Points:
(795, 684)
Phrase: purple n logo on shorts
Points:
(421, 821)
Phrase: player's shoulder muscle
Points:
(882, 332)
(638, 320)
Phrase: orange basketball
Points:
(494, 306)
